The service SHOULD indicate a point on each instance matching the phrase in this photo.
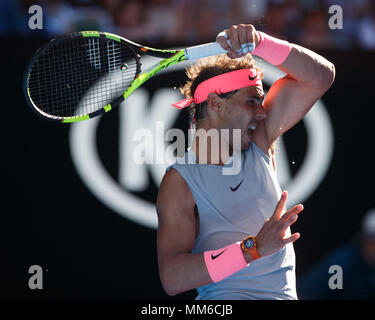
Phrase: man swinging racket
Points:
(228, 236)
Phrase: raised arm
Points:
(309, 76)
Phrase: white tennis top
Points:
(231, 207)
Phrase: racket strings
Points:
(81, 76)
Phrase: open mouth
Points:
(250, 131)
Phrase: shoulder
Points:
(174, 191)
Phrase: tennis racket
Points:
(81, 75)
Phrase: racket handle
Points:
(203, 50)
(213, 49)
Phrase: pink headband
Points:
(223, 83)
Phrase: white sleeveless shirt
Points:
(231, 207)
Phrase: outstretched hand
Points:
(271, 237)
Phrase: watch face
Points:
(249, 243)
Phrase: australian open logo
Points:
(123, 157)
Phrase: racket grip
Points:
(213, 49)
(203, 50)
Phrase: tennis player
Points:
(229, 235)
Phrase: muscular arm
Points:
(309, 76)
(180, 270)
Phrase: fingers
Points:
(280, 206)
(271, 236)
(247, 33)
(291, 214)
(233, 39)
(289, 218)
(222, 40)
(237, 39)
(292, 238)
(240, 35)
(233, 36)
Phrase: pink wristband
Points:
(273, 50)
(224, 262)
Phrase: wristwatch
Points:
(249, 245)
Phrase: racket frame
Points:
(170, 57)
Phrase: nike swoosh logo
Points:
(214, 257)
(252, 78)
(235, 188)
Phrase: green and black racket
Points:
(81, 75)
